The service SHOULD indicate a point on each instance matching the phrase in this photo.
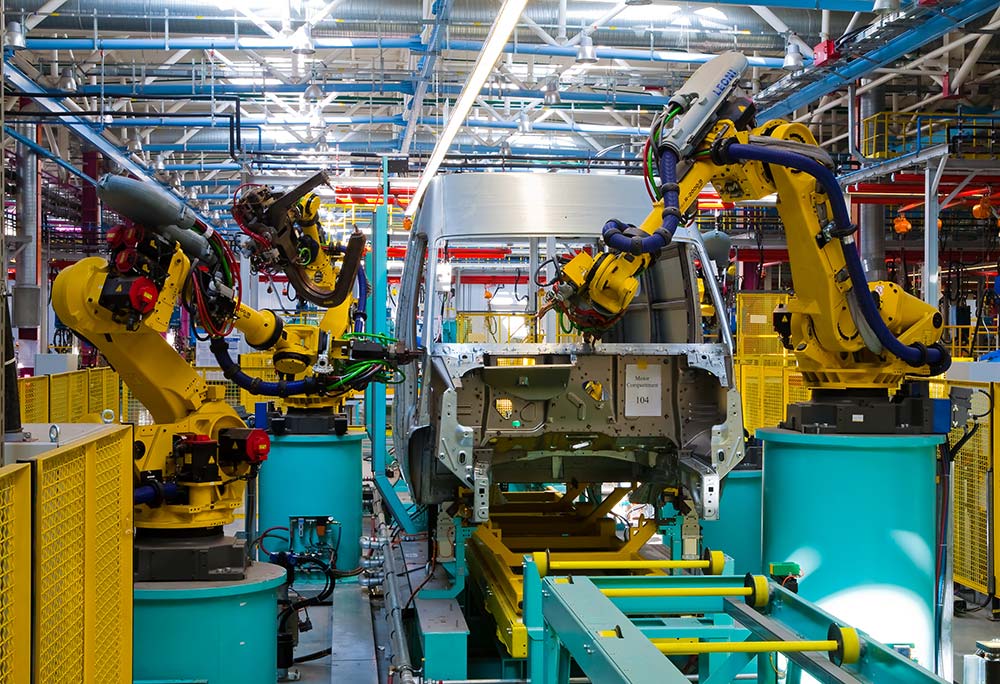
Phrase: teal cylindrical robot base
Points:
(857, 513)
(314, 475)
(220, 632)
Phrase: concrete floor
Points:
(350, 634)
(966, 631)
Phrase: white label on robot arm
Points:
(643, 390)
(857, 417)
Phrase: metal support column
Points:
(932, 178)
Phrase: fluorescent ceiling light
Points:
(496, 40)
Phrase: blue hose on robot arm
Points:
(232, 371)
(629, 239)
(915, 355)
(360, 314)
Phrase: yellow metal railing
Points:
(966, 341)
(15, 574)
(82, 583)
(892, 134)
(496, 327)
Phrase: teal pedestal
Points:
(218, 632)
(737, 532)
(314, 475)
(857, 513)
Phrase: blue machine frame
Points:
(609, 638)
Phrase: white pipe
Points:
(562, 21)
(973, 57)
(781, 27)
(855, 18)
(615, 11)
(824, 31)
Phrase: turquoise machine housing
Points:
(314, 475)
(857, 513)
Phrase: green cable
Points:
(370, 336)
(563, 328)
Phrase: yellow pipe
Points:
(668, 647)
(677, 591)
(712, 563)
(629, 565)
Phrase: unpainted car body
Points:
(652, 402)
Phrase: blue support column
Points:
(378, 323)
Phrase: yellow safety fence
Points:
(66, 563)
(57, 398)
(15, 574)
(974, 491)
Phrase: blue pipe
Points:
(673, 56)
(202, 167)
(148, 494)
(915, 355)
(387, 88)
(542, 126)
(413, 44)
(615, 233)
(212, 43)
(41, 151)
(208, 121)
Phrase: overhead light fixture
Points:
(586, 53)
(505, 150)
(67, 81)
(302, 41)
(313, 92)
(638, 3)
(523, 122)
(322, 145)
(885, 6)
(793, 55)
(550, 93)
(159, 164)
(500, 32)
(13, 37)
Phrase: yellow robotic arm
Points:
(849, 336)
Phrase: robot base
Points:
(219, 632)
(166, 556)
(308, 423)
(872, 412)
